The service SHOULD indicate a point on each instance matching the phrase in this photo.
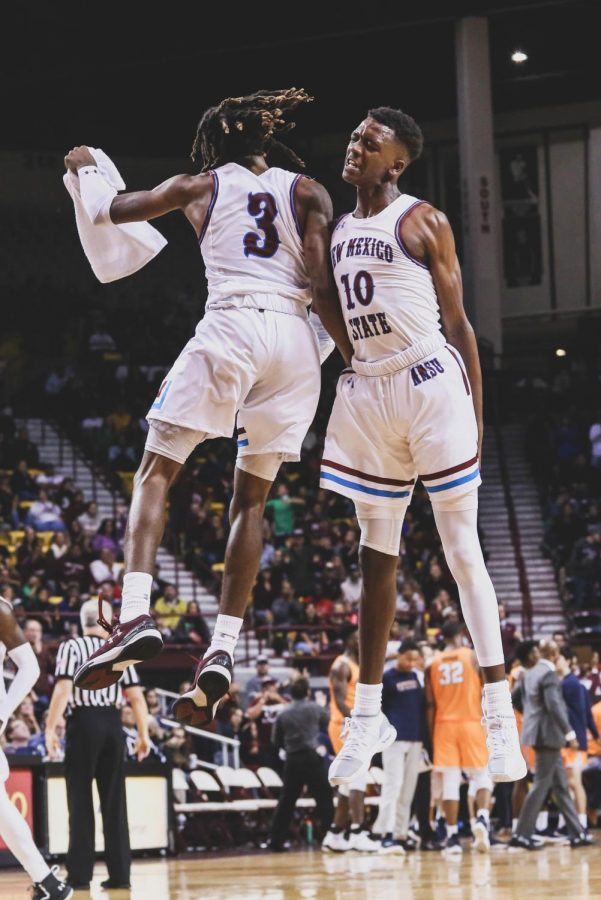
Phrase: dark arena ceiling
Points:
(139, 78)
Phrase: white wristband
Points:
(96, 195)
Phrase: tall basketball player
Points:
(264, 236)
(13, 827)
(411, 407)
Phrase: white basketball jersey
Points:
(251, 241)
(2, 661)
(388, 297)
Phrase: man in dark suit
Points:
(547, 729)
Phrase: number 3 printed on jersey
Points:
(263, 209)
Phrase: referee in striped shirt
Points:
(95, 748)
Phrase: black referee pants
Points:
(95, 749)
(303, 768)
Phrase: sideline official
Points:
(296, 731)
(95, 749)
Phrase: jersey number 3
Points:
(263, 209)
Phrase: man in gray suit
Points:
(547, 729)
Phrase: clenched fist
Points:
(78, 157)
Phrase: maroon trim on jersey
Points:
(215, 178)
(463, 375)
(293, 205)
(377, 478)
(451, 471)
(398, 231)
(240, 430)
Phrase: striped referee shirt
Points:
(71, 655)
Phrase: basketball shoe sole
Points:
(129, 643)
(212, 682)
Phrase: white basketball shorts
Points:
(385, 431)
(258, 364)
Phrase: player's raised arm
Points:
(190, 193)
(439, 248)
(316, 205)
(21, 653)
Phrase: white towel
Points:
(113, 251)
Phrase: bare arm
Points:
(58, 704)
(341, 675)
(135, 698)
(190, 193)
(429, 232)
(21, 653)
(315, 208)
(430, 703)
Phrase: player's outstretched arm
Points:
(439, 247)
(190, 193)
(316, 211)
(21, 653)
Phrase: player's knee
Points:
(380, 532)
(480, 780)
(451, 784)
(262, 465)
(465, 562)
(155, 470)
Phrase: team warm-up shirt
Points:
(71, 655)
(456, 686)
(387, 296)
(403, 704)
(251, 239)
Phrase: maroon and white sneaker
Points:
(211, 684)
(129, 643)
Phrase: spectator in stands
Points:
(282, 508)
(22, 448)
(30, 558)
(177, 748)
(37, 743)
(285, 609)
(9, 505)
(90, 520)
(44, 514)
(122, 455)
(25, 711)
(510, 636)
(193, 627)
(22, 483)
(435, 581)
(169, 610)
(263, 711)
(105, 538)
(585, 567)
(254, 684)
(351, 587)
(60, 545)
(264, 593)
(100, 341)
(42, 689)
(18, 736)
(106, 568)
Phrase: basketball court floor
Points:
(555, 872)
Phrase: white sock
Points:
(583, 820)
(451, 830)
(561, 822)
(542, 820)
(514, 825)
(485, 815)
(368, 699)
(19, 840)
(136, 596)
(497, 697)
(458, 530)
(225, 634)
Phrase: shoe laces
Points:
(357, 736)
(108, 626)
(497, 736)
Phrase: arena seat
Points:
(204, 781)
(269, 777)
(179, 783)
(239, 779)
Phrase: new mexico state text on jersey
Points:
(387, 295)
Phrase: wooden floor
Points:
(556, 872)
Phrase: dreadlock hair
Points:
(245, 126)
(406, 129)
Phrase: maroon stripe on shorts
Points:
(463, 375)
(358, 474)
(451, 471)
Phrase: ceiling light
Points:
(518, 56)
(560, 352)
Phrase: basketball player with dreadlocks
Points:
(264, 237)
(410, 407)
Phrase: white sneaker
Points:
(481, 836)
(362, 842)
(505, 760)
(453, 846)
(335, 843)
(364, 736)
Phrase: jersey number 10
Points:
(263, 209)
(362, 288)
